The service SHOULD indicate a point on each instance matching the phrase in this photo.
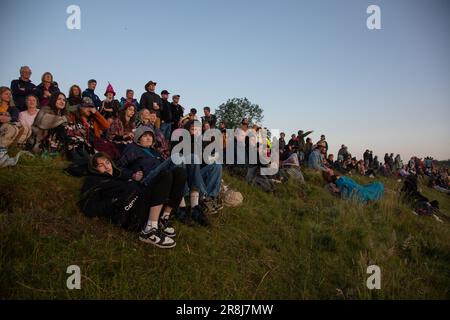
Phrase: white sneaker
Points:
(157, 238)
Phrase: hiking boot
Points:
(157, 238)
(208, 206)
(212, 205)
(166, 226)
(184, 217)
(199, 216)
(218, 204)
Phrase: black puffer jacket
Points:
(102, 194)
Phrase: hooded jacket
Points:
(100, 191)
(138, 158)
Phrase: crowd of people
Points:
(337, 172)
(123, 147)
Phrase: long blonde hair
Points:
(2, 90)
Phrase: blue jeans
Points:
(206, 180)
(166, 129)
(212, 176)
(166, 165)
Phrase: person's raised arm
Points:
(101, 121)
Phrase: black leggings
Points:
(167, 188)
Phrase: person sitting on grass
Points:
(143, 118)
(90, 93)
(74, 99)
(348, 189)
(11, 130)
(210, 174)
(22, 87)
(84, 130)
(46, 89)
(121, 130)
(439, 181)
(316, 159)
(49, 133)
(363, 169)
(27, 117)
(203, 180)
(329, 161)
(420, 204)
(288, 155)
(110, 106)
(141, 156)
(129, 98)
(148, 118)
(403, 172)
(109, 192)
(293, 142)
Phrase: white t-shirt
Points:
(27, 119)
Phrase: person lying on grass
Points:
(347, 188)
(112, 193)
(421, 205)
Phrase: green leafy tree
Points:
(234, 110)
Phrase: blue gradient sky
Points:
(308, 64)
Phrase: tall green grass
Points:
(297, 243)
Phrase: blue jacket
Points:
(134, 102)
(91, 94)
(315, 160)
(136, 158)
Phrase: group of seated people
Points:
(315, 157)
(125, 150)
(122, 148)
(333, 171)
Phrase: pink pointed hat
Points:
(109, 88)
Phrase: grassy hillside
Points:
(289, 245)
